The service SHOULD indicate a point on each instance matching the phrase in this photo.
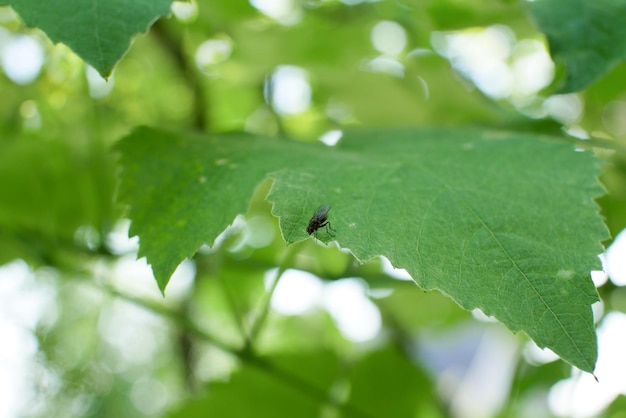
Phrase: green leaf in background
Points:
(51, 193)
(274, 387)
(498, 221)
(388, 374)
(288, 385)
(587, 36)
(99, 31)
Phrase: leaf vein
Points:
(96, 27)
(519, 270)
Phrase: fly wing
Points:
(322, 213)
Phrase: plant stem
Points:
(173, 45)
(256, 327)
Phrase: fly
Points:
(320, 220)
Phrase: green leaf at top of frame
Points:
(505, 222)
(587, 36)
(99, 31)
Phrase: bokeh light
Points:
(581, 396)
(98, 86)
(356, 316)
(22, 59)
(346, 300)
(615, 260)
(290, 90)
(213, 51)
(286, 12)
(389, 38)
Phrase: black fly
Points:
(319, 220)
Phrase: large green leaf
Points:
(587, 36)
(498, 221)
(99, 31)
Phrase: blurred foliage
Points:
(589, 56)
(108, 344)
